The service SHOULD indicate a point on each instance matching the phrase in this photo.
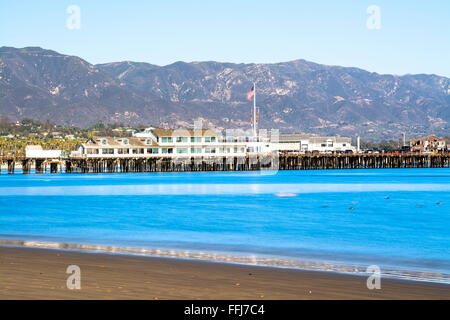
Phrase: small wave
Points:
(284, 195)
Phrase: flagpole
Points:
(254, 110)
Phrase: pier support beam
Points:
(11, 166)
(53, 167)
(38, 166)
(26, 166)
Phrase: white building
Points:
(288, 142)
(170, 143)
(36, 152)
(205, 142)
(430, 143)
(302, 143)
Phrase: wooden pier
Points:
(248, 163)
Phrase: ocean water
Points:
(334, 220)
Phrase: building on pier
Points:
(171, 143)
(206, 142)
(302, 143)
(36, 152)
(430, 143)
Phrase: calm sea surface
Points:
(336, 220)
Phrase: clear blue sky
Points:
(414, 35)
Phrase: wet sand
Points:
(41, 274)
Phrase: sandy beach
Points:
(41, 274)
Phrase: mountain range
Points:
(296, 96)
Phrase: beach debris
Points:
(438, 203)
(238, 284)
(386, 197)
(285, 195)
(351, 208)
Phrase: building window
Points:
(152, 150)
(91, 151)
(196, 150)
(221, 150)
(323, 145)
(103, 141)
(124, 141)
(196, 139)
(148, 141)
(210, 150)
(182, 150)
(210, 139)
(167, 150)
(182, 139)
(138, 151)
(166, 139)
(107, 151)
(123, 151)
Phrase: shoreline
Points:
(36, 273)
(233, 258)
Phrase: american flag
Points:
(251, 93)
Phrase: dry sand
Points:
(41, 274)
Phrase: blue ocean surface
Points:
(335, 220)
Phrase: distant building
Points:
(36, 152)
(430, 143)
(305, 143)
